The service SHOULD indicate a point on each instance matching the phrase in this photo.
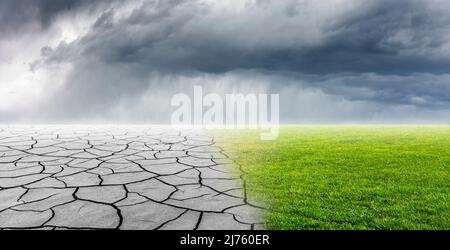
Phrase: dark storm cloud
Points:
(16, 15)
(394, 37)
(382, 56)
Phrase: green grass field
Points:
(349, 177)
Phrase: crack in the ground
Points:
(162, 172)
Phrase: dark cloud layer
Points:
(395, 37)
(388, 55)
(16, 15)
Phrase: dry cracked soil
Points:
(120, 177)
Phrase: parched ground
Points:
(127, 177)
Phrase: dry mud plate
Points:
(133, 177)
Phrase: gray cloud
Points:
(16, 15)
(376, 60)
(394, 37)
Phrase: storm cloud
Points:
(121, 61)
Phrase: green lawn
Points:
(349, 177)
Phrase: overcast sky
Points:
(349, 61)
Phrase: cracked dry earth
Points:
(132, 177)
